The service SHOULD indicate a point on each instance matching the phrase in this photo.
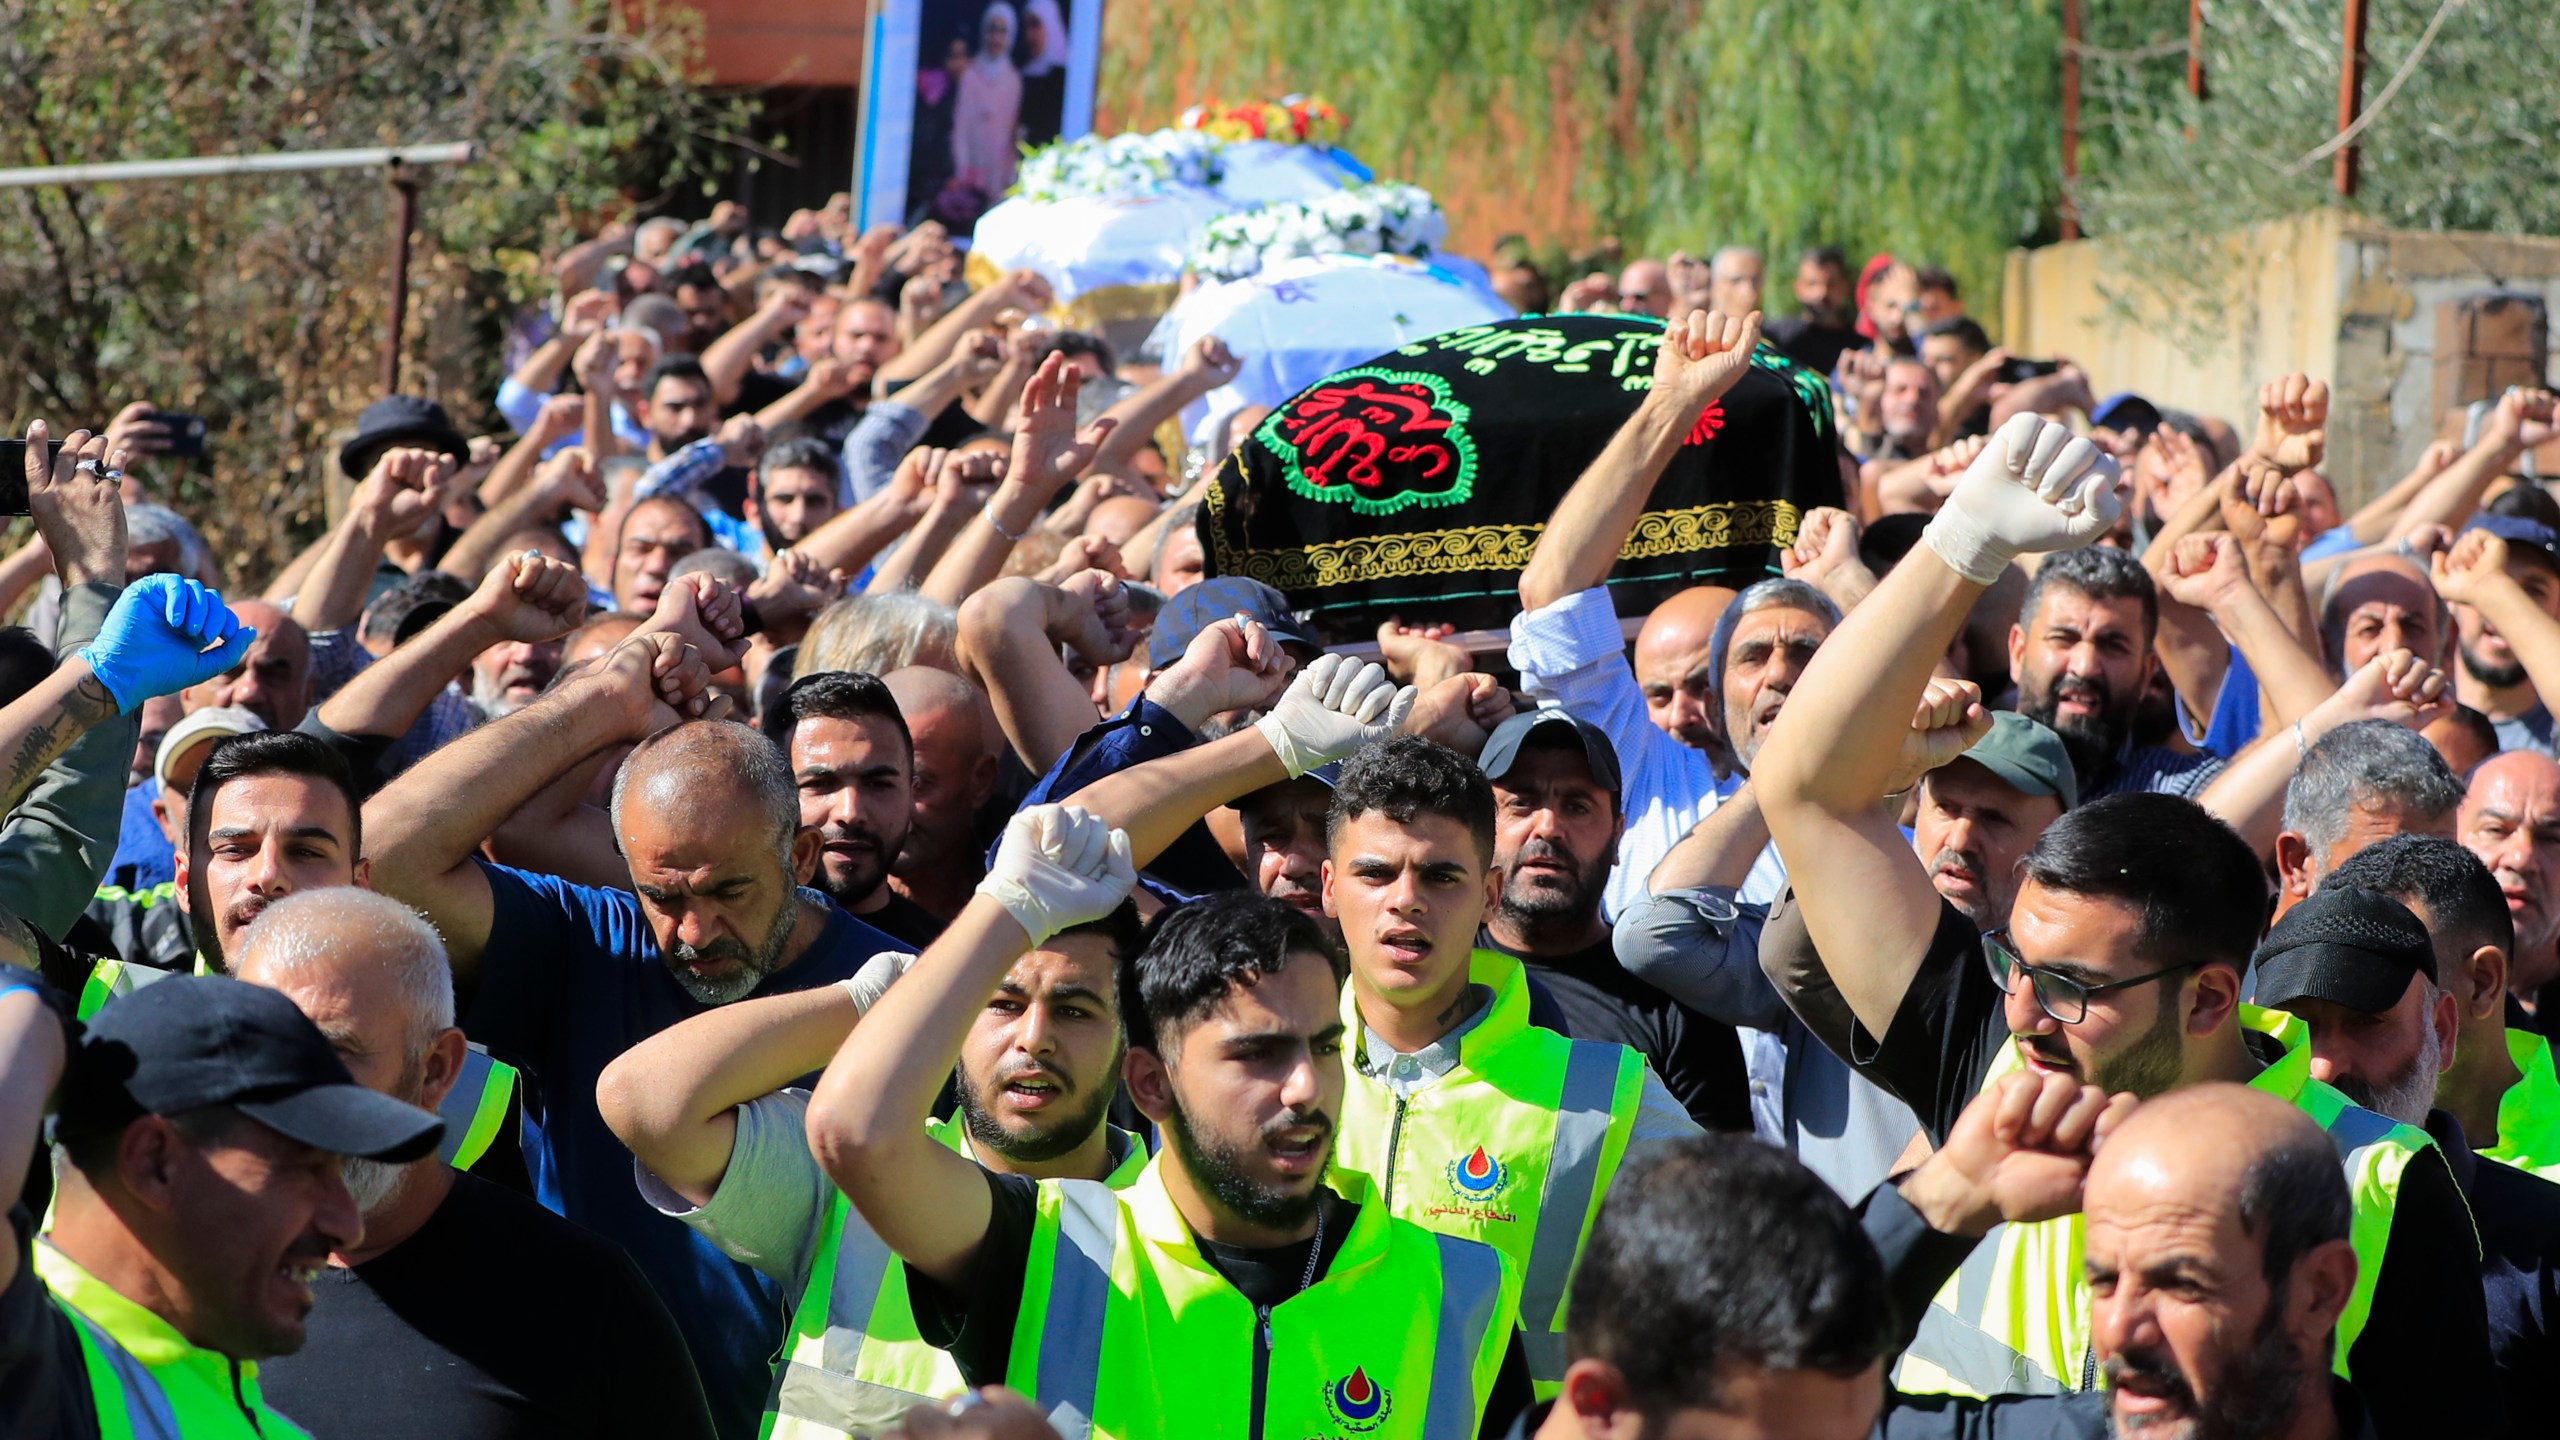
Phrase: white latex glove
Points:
(1334, 707)
(1059, 866)
(2035, 487)
(866, 985)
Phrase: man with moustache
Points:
(2361, 783)
(2121, 964)
(1556, 825)
(714, 1113)
(2082, 653)
(2510, 818)
(564, 977)
(2502, 578)
(1571, 653)
(1235, 1288)
(855, 767)
(201, 1124)
(420, 1327)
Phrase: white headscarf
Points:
(990, 59)
(1053, 37)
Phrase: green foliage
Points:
(1924, 126)
(259, 300)
(2468, 142)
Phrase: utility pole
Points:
(2350, 97)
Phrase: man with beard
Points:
(419, 1327)
(2359, 966)
(2220, 1248)
(2082, 653)
(565, 977)
(1235, 1288)
(855, 767)
(200, 1130)
(1555, 835)
(1815, 337)
(715, 1113)
(2120, 966)
(796, 491)
(2510, 818)
(1571, 653)
(2503, 580)
(2496, 1081)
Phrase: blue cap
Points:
(1200, 606)
(2125, 410)
(2523, 537)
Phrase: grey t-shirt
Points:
(2528, 731)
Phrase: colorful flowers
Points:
(1293, 120)
(1380, 219)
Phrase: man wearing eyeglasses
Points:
(2120, 966)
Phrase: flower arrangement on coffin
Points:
(1295, 120)
(1127, 164)
(1380, 219)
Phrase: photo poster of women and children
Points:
(956, 89)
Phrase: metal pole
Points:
(2071, 115)
(2350, 96)
(407, 210)
(2195, 50)
(199, 167)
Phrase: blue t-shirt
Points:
(571, 979)
(143, 855)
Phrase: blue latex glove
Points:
(165, 634)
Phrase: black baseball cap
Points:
(400, 420)
(191, 1041)
(1503, 750)
(1197, 607)
(2348, 946)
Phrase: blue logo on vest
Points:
(1358, 1402)
(1477, 1182)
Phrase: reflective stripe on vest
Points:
(131, 1404)
(1583, 1117)
(1127, 1333)
(1510, 1148)
(854, 1361)
(2015, 1319)
(1470, 1291)
(475, 1108)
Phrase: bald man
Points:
(941, 863)
(272, 681)
(1644, 288)
(2217, 1252)
(565, 977)
(2510, 818)
(419, 1329)
(1733, 279)
(1672, 669)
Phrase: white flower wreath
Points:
(1380, 219)
(1127, 164)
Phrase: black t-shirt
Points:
(830, 422)
(2422, 1360)
(2519, 1219)
(1816, 347)
(975, 1322)
(44, 1384)
(1699, 1060)
(497, 1319)
(905, 919)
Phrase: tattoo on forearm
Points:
(44, 742)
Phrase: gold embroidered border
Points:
(1723, 525)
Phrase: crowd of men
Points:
(773, 898)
